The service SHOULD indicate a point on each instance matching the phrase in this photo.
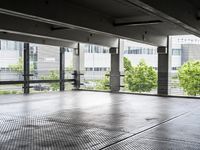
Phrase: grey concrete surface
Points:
(97, 120)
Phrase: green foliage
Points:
(53, 75)
(140, 78)
(189, 77)
(9, 92)
(127, 65)
(19, 66)
(69, 68)
(103, 84)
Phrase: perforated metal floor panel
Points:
(93, 120)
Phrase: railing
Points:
(4, 89)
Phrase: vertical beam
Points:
(62, 68)
(26, 68)
(163, 71)
(170, 74)
(78, 65)
(121, 59)
(115, 73)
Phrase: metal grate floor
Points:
(52, 133)
(93, 120)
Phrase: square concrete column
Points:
(163, 65)
(62, 68)
(115, 70)
(78, 65)
(26, 68)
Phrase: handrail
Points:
(35, 81)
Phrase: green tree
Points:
(127, 65)
(103, 84)
(189, 77)
(140, 78)
(53, 75)
(19, 66)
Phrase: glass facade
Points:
(44, 65)
(140, 67)
(184, 78)
(141, 61)
(11, 60)
(97, 65)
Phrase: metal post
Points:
(163, 71)
(76, 66)
(62, 68)
(26, 68)
(169, 47)
(115, 72)
(121, 61)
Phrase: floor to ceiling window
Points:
(11, 66)
(140, 67)
(44, 65)
(184, 76)
(97, 67)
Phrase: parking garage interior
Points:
(99, 74)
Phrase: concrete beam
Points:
(43, 31)
(77, 17)
(180, 12)
(38, 40)
(137, 20)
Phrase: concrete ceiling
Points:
(100, 21)
(111, 8)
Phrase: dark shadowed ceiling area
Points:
(148, 21)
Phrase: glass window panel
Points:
(137, 79)
(95, 63)
(184, 52)
(44, 62)
(11, 61)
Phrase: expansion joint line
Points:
(145, 130)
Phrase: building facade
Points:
(45, 58)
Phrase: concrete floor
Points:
(95, 120)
